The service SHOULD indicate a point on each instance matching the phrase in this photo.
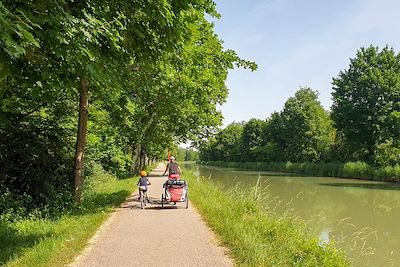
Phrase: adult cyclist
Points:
(173, 169)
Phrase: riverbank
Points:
(47, 241)
(354, 170)
(255, 236)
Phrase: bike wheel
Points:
(142, 201)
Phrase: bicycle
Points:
(143, 197)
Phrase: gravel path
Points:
(172, 236)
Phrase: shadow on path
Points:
(102, 201)
(155, 204)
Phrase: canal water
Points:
(361, 217)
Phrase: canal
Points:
(361, 217)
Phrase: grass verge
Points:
(355, 170)
(40, 241)
(254, 236)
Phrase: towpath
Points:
(172, 236)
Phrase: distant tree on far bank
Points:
(366, 106)
(191, 154)
(302, 132)
(306, 129)
(364, 123)
(225, 146)
(183, 154)
(253, 140)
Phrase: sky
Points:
(297, 43)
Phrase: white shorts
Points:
(143, 188)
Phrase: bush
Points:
(36, 173)
(357, 170)
(388, 173)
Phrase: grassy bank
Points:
(255, 236)
(357, 170)
(41, 241)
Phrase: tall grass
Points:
(357, 170)
(38, 240)
(254, 236)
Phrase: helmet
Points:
(172, 158)
(143, 173)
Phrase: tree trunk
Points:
(81, 140)
(143, 158)
(137, 161)
(135, 166)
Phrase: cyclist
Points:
(143, 183)
(173, 169)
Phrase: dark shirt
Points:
(143, 181)
(173, 168)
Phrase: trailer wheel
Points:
(162, 200)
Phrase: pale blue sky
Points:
(297, 43)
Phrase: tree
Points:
(229, 142)
(151, 71)
(274, 138)
(302, 132)
(306, 128)
(179, 94)
(207, 150)
(366, 103)
(253, 140)
(191, 154)
(74, 48)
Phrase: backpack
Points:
(173, 168)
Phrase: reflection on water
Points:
(362, 217)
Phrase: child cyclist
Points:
(143, 183)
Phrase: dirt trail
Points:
(173, 236)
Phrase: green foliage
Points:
(306, 128)
(177, 152)
(155, 71)
(253, 140)
(387, 153)
(38, 240)
(16, 35)
(226, 145)
(388, 173)
(303, 131)
(36, 172)
(183, 154)
(366, 104)
(191, 154)
(358, 170)
(256, 236)
(365, 112)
